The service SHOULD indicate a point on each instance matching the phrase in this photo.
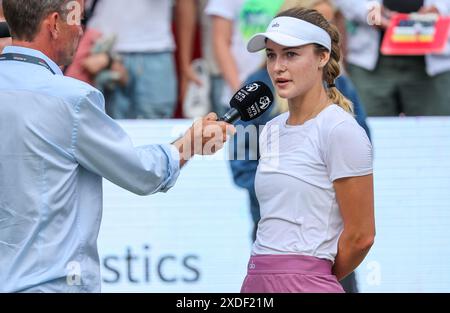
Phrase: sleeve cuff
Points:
(220, 13)
(353, 174)
(173, 156)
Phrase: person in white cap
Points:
(314, 180)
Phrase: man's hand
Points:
(96, 63)
(188, 75)
(118, 67)
(205, 137)
(430, 9)
(385, 18)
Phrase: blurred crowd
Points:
(156, 59)
(159, 59)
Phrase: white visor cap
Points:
(290, 32)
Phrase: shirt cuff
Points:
(215, 12)
(351, 174)
(173, 155)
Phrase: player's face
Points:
(293, 71)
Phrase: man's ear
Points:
(52, 23)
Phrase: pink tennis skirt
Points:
(289, 273)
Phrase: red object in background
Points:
(414, 47)
(76, 69)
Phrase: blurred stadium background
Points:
(196, 238)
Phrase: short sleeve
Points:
(348, 152)
(226, 9)
(354, 10)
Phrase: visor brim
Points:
(258, 41)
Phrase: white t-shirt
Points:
(249, 17)
(140, 25)
(294, 181)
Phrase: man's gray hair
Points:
(24, 17)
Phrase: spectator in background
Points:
(244, 167)
(234, 22)
(391, 85)
(95, 63)
(188, 12)
(3, 41)
(146, 45)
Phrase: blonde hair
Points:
(332, 70)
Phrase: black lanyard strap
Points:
(27, 59)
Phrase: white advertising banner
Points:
(196, 237)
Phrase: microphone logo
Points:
(252, 87)
(264, 102)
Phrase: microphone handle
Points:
(231, 116)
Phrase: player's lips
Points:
(282, 82)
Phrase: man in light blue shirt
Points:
(56, 144)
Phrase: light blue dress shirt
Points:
(56, 144)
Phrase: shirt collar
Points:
(34, 53)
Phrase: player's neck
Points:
(304, 108)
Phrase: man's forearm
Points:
(222, 34)
(228, 67)
(185, 27)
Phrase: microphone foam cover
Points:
(252, 100)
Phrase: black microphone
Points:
(250, 102)
(4, 30)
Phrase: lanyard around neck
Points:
(27, 59)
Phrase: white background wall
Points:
(196, 238)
